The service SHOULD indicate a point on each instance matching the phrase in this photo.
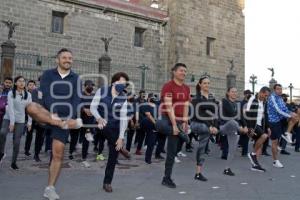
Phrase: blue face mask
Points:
(120, 87)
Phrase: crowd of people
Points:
(64, 110)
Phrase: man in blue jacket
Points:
(277, 111)
(60, 90)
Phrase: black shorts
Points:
(276, 130)
(258, 132)
(59, 134)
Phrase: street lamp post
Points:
(291, 91)
(253, 81)
(143, 67)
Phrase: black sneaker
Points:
(148, 162)
(14, 166)
(253, 159)
(71, 157)
(159, 157)
(284, 152)
(228, 172)
(257, 168)
(200, 177)
(296, 150)
(27, 153)
(168, 182)
(37, 158)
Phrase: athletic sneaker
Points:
(277, 164)
(86, 164)
(177, 160)
(50, 193)
(180, 154)
(228, 172)
(100, 157)
(14, 166)
(27, 153)
(288, 137)
(200, 177)
(89, 137)
(253, 159)
(168, 182)
(257, 168)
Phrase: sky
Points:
(272, 34)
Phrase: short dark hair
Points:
(265, 89)
(118, 75)
(277, 85)
(177, 65)
(8, 78)
(62, 51)
(31, 81)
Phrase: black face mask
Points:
(152, 100)
(89, 89)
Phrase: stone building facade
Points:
(204, 34)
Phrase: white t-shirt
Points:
(64, 75)
(260, 111)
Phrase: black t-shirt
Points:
(143, 119)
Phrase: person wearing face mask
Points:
(87, 119)
(109, 107)
(148, 116)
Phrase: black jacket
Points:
(205, 110)
(231, 111)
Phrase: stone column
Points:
(272, 82)
(104, 68)
(7, 59)
(231, 79)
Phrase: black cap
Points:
(88, 82)
(284, 95)
(247, 92)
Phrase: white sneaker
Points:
(279, 148)
(145, 147)
(50, 193)
(177, 160)
(89, 137)
(86, 164)
(180, 154)
(288, 137)
(277, 164)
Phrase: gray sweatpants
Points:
(230, 129)
(17, 134)
(202, 131)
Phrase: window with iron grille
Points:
(210, 46)
(58, 22)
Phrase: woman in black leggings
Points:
(204, 122)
